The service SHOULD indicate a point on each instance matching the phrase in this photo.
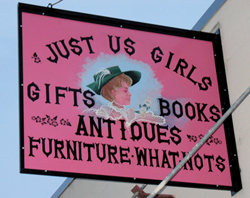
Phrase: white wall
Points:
(82, 188)
(233, 20)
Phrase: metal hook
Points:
(50, 5)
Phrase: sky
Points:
(179, 13)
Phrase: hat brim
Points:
(134, 75)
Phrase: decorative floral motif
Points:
(50, 121)
(144, 107)
(148, 101)
(209, 141)
(36, 58)
(143, 111)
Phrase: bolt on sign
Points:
(119, 100)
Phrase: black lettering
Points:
(190, 73)
(189, 163)
(98, 128)
(32, 94)
(214, 111)
(71, 150)
(150, 139)
(141, 156)
(165, 160)
(156, 57)
(72, 43)
(209, 158)
(88, 43)
(182, 64)
(89, 146)
(174, 155)
(112, 151)
(123, 129)
(47, 93)
(103, 152)
(109, 127)
(65, 48)
(169, 60)
(153, 157)
(180, 112)
(117, 44)
(174, 132)
(54, 54)
(59, 145)
(139, 134)
(191, 115)
(33, 146)
(60, 94)
(126, 42)
(80, 150)
(75, 91)
(201, 112)
(198, 161)
(160, 134)
(205, 82)
(164, 105)
(220, 164)
(81, 126)
(90, 101)
(124, 155)
(50, 147)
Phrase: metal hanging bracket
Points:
(142, 194)
(50, 5)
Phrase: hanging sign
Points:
(119, 100)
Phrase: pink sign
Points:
(104, 101)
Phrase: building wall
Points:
(233, 21)
(83, 188)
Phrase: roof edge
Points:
(208, 14)
(62, 188)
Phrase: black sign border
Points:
(221, 76)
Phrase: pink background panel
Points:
(157, 82)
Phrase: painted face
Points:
(122, 95)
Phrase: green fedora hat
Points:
(102, 77)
